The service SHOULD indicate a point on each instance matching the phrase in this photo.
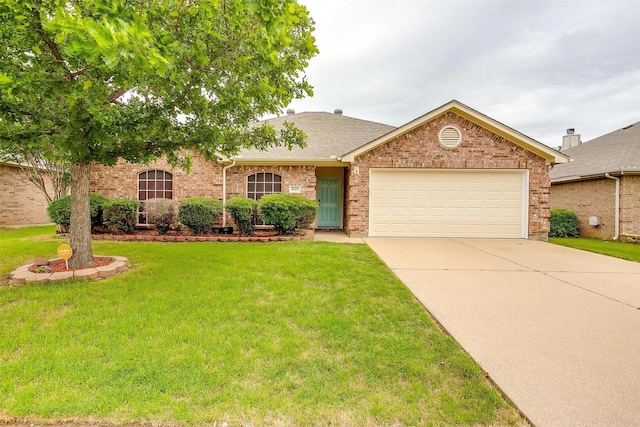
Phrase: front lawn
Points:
(628, 251)
(289, 333)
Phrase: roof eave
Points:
(289, 162)
(576, 178)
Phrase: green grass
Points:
(628, 251)
(290, 333)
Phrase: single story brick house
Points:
(602, 183)
(453, 172)
(21, 202)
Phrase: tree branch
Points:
(76, 73)
(113, 97)
(53, 47)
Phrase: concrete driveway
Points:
(557, 329)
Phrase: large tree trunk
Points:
(80, 229)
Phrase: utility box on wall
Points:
(593, 220)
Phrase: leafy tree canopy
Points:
(101, 80)
(107, 79)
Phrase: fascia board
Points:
(290, 162)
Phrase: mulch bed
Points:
(59, 265)
(152, 236)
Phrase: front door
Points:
(329, 202)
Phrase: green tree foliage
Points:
(564, 223)
(102, 80)
(287, 212)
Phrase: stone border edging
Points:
(188, 238)
(23, 275)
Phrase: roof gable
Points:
(549, 154)
(617, 152)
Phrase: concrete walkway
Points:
(335, 237)
(557, 329)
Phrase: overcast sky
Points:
(538, 66)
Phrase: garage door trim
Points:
(524, 173)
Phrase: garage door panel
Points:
(419, 203)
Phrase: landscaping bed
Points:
(46, 271)
(154, 236)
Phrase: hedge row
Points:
(114, 215)
(287, 213)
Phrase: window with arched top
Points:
(153, 184)
(261, 183)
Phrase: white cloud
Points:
(537, 66)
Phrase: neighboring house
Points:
(21, 202)
(602, 183)
(453, 172)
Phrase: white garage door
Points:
(448, 203)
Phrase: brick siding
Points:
(588, 198)
(630, 206)
(596, 197)
(419, 148)
(21, 202)
(121, 180)
(304, 176)
(205, 180)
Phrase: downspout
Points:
(224, 191)
(617, 206)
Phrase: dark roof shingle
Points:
(618, 151)
(327, 135)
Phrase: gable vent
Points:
(450, 137)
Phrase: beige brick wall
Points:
(420, 148)
(630, 205)
(21, 202)
(588, 198)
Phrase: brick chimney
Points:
(571, 139)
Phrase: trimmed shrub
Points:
(161, 214)
(119, 215)
(243, 210)
(199, 213)
(564, 223)
(287, 212)
(60, 211)
(96, 205)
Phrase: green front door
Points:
(329, 202)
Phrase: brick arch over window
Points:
(261, 183)
(153, 184)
